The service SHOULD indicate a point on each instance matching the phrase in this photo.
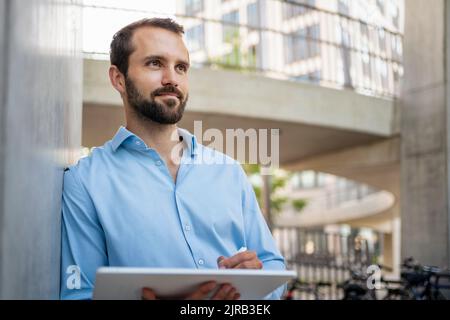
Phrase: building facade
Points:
(340, 43)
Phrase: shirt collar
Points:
(123, 134)
(190, 140)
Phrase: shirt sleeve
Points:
(83, 241)
(258, 235)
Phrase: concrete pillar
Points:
(266, 199)
(40, 132)
(387, 250)
(391, 250)
(396, 246)
(425, 134)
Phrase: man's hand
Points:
(225, 292)
(243, 260)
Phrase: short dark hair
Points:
(121, 45)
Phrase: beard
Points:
(150, 109)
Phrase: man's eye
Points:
(182, 67)
(154, 63)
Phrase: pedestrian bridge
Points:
(313, 119)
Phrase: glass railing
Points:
(329, 191)
(283, 40)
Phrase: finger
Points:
(202, 291)
(251, 264)
(219, 260)
(222, 292)
(231, 294)
(237, 296)
(238, 258)
(148, 294)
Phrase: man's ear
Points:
(117, 79)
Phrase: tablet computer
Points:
(124, 283)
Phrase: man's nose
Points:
(169, 78)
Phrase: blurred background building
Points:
(354, 44)
(357, 88)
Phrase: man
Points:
(143, 199)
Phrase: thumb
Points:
(148, 294)
(219, 262)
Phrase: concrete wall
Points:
(424, 130)
(40, 130)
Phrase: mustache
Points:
(168, 89)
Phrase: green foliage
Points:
(236, 59)
(276, 203)
(277, 182)
(251, 168)
(299, 204)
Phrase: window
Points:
(230, 32)
(394, 11)
(382, 70)
(313, 77)
(321, 179)
(253, 15)
(343, 7)
(380, 5)
(195, 37)
(193, 6)
(382, 40)
(308, 179)
(291, 10)
(366, 65)
(303, 44)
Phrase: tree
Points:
(278, 182)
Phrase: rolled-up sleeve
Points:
(83, 240)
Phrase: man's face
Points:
(157, 81)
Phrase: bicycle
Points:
(356, 288)
(310, 288)
(422, 282)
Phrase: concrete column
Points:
(391, 250)
(266, 199)
(425, 132)
(396, 246)
(387, 250)
(40, 132)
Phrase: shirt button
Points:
(158, 163)
(201, 262)
(187, 228)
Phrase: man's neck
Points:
(160, 137)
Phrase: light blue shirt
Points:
(121, 207)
